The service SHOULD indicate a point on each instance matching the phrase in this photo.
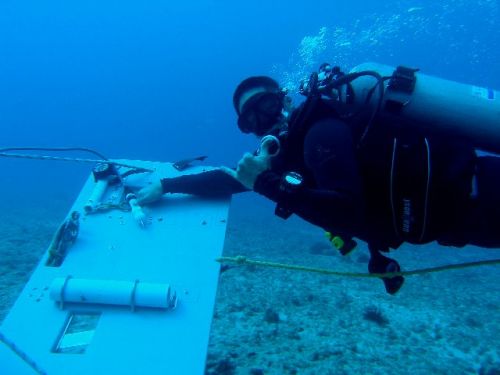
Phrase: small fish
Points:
(414, 9)
(186, 163)
(224, 268)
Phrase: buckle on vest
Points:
(403, 79)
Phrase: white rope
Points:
(424, 225)
(391, 187)
(80, 160)
(21, 354)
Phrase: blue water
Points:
(154, 80)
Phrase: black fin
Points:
(186, 163)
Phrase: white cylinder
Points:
(112, 292)
(137, 212)
(97, 194)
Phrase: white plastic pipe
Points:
(97, 194)
(112, 292)
(137, 211)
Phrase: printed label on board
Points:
(483, 93)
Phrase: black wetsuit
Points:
(395, 188)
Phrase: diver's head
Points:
(324, 71)
(325, 68)
(258, 101)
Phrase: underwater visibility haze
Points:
(154, 81)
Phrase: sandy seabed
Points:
(272, 321)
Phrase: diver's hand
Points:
(251, 166)
(150, 193)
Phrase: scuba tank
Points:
(375, 96)
(405, 98)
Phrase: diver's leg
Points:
(382, 264)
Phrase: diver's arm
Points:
(211, 184)
(327, 209)
(214, 183)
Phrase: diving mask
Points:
(260, 113)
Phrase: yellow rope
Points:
(245, 261)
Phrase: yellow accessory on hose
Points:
(342, 244)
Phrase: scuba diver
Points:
(361, 159)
